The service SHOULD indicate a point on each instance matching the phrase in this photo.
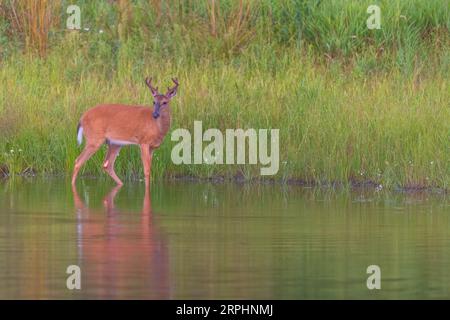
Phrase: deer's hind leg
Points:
(84, 156)
(108, 164)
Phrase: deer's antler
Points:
(172, 91)
(148, 82)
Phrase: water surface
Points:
(219, 241)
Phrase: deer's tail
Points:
(79, 134)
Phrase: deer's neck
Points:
(164, 121)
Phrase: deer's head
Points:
(161, 100)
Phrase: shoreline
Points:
(239, 179)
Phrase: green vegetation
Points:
(352, 104)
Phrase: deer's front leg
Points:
(146, 155)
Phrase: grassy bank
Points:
(351, 104)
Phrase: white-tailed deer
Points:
(118, 125)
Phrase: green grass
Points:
(351, 104)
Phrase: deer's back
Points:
(131, 124)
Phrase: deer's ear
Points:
(171, 94)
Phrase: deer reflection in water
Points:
(121, 255)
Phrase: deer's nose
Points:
(155, 114)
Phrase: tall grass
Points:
(31, 20)
(352, 104)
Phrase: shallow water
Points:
(219, 241)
